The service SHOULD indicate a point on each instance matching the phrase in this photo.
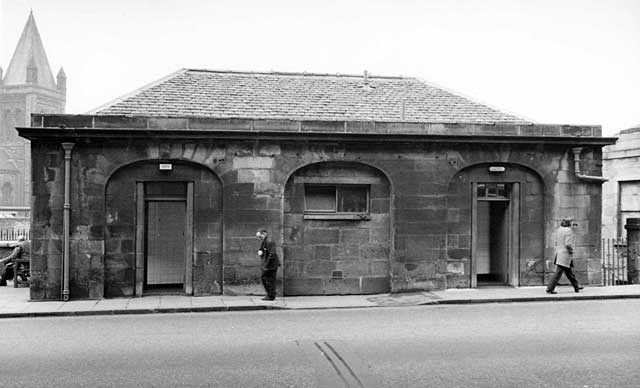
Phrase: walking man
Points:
(270, 263)
(565, 241)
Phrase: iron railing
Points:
(614, 262)
(12, 234)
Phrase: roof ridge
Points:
(295, 73)
(136, 91)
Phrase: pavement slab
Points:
(112, 304)
(14, 302)
(174, 301)
(238, 301)
(77, 305)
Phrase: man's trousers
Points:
(556, 276)
(269, 282)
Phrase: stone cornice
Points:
(32, 89)
(127, 127)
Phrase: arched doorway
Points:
(501, 208)
(336, 230)
(163, 230)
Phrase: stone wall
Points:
(428, 210)
(356, 245)
(120, 264)
(582, 202)
(530, 211)
(621, 164)
(17, 103)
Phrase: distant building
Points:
(368, 184)
(26, 87)
(621, 165)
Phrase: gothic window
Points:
(6, 194)
(7, 123)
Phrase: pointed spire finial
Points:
(61, 81)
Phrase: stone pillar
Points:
(633, 246)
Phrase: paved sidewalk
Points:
(14, 302)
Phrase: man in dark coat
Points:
(565, 240)
(270, 263)
(9, 264)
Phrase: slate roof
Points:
(301, 96)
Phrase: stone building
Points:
(368, 184)
(27, 87)
(621, 165)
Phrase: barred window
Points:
(492, 190)
(336, 198)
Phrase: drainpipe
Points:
(65, 222)
(576, 167)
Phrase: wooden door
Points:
(166, 246)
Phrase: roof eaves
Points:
(136, 91)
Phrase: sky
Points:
(549, 61)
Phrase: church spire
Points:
(29, 63)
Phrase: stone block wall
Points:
(621, 164)
(579, 200)
(531, 213)
(421, 196)
(316, 246)
(122, 246)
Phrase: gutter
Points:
(126, 134)
(578, 172)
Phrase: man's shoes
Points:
(3, 284)
(551, 292)
(579, 288)
(268, 298)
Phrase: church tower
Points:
(26, 87)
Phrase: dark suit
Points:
(270, 264)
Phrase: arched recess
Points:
(163, 229)
(336, 230)
(495, 231)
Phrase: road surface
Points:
(584, 344)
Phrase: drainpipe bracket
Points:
(578, 172)
(592, 178)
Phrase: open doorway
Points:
(495, 235)
(493, 242)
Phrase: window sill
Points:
(338, 216)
